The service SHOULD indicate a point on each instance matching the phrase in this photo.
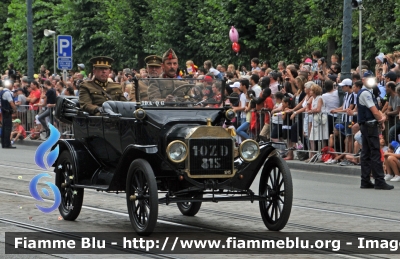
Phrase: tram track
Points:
(171, 221)
(36, 228)
(197, 227)
(239, 215)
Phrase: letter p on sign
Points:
(64, 46)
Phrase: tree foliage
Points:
(128, 30)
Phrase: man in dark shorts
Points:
(50, 104)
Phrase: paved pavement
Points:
(32, 143)
(325, 168)
(293, 164)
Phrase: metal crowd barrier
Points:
(33, 127)
(391, 122)
(303, 124)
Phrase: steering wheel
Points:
(187, 87)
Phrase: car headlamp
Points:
(249, 150)
(370, 82)
(177, 151)
(230, 114)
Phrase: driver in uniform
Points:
(154, 69)
(162, 89)
(92, 94)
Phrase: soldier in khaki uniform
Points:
(154, 70)
(162, 89)
(92, 94)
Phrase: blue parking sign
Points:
(64, 46)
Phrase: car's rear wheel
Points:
(142, 197)
(190, 208)
(71, 198)
(276, 185)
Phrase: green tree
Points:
(128, 30)
(5, 32)
(99, 28)
(16, 50)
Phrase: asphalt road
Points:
(322, 202)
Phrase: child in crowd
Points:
(19, 132)
(392, 163)
(191, 68)
(277, 122)
(287, 122)
(336, 141)
(268, 107)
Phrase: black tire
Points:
(190, 208)
(71, 198)
(143, 212)
(276, 183)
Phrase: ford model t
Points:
(177, 147)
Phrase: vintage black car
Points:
(176, 147)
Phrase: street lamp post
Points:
(48, 33)
(346, 40)
(357, 5)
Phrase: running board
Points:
(213, 199)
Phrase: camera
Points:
(385, 61)
(322, 60)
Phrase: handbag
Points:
(320, 118)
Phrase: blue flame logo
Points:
(41, 150)
(39, 160)
(34, 192)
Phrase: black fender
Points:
(83, 160)
(132, 152)
(249, 170)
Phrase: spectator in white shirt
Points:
(209, 67)
(254, 64)
(331, 100)
(254, 84)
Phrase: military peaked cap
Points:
(153, 60)
(102, 61)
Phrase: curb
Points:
(354, 170)
(32, 143)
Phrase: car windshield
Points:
(185, 92)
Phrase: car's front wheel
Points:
(276, 186)
(142, 197)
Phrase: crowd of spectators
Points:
(305, 105)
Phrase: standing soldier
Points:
(370, 119)
(92, 94)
